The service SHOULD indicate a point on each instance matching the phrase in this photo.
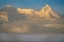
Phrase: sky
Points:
(56, 5)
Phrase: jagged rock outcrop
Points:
(46, 12)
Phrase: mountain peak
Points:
(9, 6)
(46, 8)
(47, 5)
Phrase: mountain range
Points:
(28, 14)
(30, 21)
(45, 12)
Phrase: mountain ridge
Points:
(44, 12)
(22, 14)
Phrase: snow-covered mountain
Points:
(45, 12)
(48, 13)
(9, 9)
(13, 14)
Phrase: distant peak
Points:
(47, 5)
(9, 6)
